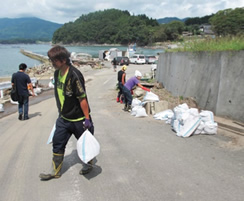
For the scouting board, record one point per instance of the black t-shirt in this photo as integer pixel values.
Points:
(22, 80)
(120, 75)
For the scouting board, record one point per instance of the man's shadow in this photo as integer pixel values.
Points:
(35, 114)
(73, 159)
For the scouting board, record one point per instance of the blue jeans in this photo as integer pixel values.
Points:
(23, 103)
(127, 95)
(120, 86)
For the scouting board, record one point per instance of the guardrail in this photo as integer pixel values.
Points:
(8, 85)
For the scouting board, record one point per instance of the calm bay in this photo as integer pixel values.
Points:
(10, 56)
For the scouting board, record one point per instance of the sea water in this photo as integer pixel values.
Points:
(10, 56)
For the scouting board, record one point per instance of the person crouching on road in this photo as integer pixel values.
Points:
(127, 88)
(121, 82)
(74, 111)
(23, 83)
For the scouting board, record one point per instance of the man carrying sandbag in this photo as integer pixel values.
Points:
(74, 111)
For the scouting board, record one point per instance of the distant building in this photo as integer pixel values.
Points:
(206, 29)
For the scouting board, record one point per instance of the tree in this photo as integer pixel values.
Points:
(108, 26)
(160, 35)
(174, 29)
(198, 20)
(228, 22)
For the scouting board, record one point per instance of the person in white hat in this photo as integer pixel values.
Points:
(128, 86)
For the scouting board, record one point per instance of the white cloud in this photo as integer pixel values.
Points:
(62, 11)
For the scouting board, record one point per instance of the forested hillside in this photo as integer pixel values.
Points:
(31, 29)
(109, 26)
(114, 26)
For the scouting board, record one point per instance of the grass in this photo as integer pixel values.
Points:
(212, 45)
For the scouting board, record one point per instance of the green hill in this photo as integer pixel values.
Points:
(27, 28)
(110, 26)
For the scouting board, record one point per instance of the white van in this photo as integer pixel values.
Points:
(138, 59)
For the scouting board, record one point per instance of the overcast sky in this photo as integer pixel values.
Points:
(63, 11)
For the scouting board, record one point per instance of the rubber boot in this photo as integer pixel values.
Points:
(125, 108)
(56, 167)
(128, 108)
(122, 99)
(86, 168)
(117, 99)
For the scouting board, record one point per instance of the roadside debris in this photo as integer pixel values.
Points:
(187, 121)
(184, 121)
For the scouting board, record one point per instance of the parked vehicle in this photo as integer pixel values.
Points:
(122, 61)
(138, 59)
(150, 59)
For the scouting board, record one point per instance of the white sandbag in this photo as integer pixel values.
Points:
(168, 121)
(210, 128)
(183, 106)
(51, 85)
(1, 107)
(199, 129)
(184, 116)
(50, 138)
(87, 147)
(194, 111)
(176, 126)
(207, 116)
(187, 114)
(135, 102)
(141, 112)
(164, 115)
(179, 110)
(30, 93)
(150, 96)
(189, 127)
(134, 110)
(37, 90)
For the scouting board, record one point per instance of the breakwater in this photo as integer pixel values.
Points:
(35, 56)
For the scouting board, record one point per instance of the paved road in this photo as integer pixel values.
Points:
(141, 159)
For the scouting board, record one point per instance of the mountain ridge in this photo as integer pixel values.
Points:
(27, 28)
(167, 20)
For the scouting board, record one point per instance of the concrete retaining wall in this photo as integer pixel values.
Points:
(215, 80)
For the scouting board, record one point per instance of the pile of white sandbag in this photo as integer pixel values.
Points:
(137, 106)
(165, 115)
(187, 121)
